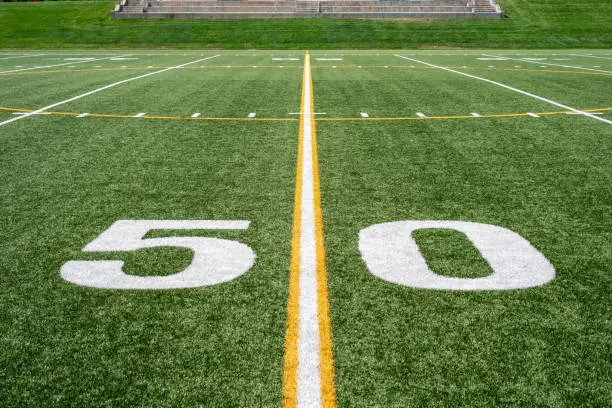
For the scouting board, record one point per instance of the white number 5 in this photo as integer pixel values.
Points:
(214, 260)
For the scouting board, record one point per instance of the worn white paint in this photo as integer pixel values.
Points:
(391, 253)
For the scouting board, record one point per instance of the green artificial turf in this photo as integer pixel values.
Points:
(528, 24)
(65, 180)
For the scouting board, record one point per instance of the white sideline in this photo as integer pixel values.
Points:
(510, 88)
(56, 65)
(553, 65)
(101, 89)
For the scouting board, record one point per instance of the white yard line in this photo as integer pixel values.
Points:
(510, 88)
(590, 56)
(552, 65)
(56, 65)
(22, 56)
(102, 89)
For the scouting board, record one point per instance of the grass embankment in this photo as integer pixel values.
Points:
(541, 24)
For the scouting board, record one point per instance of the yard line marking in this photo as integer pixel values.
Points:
(595, 111)
(252, 115)
(102, 89)
(533, 115)
(420, 115)
(26, 113)
(590, 56)
(51, 66)
(195, 115)
(510, 88)
(559, 65)
(364, 115)
(476, 115)
(307, 113)
(139, 115)
(576, 113)
(22, 56)
(82, 115)
(328, 59)
(308, 377)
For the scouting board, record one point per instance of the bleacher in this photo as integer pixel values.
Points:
(307, 9)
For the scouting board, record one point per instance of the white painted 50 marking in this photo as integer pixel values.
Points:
(214, 260)
(388, 249)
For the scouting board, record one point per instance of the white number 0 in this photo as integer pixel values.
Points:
(391, 253)
(214, 260)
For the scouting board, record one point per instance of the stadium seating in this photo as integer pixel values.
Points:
(308, 9)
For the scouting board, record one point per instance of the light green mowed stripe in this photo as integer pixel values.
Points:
(547, 180)
(65, 181)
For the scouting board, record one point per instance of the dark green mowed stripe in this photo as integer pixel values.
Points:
(403, 92)
(549, 181)
(64, 182)
(214, 92)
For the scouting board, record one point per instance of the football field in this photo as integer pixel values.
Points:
(305, 229)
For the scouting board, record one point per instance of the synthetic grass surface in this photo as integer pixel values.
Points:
(67, 179)
(530, 24)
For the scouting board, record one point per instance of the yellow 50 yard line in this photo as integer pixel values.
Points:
(308, 378)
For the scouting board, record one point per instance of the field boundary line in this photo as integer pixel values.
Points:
(549, 63)
(102, 89)
(61, 65)
(308, 376)
(510, 88)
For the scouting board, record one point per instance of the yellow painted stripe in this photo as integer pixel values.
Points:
(293, 307)
(328, 389)
(360, 119)
(326, 367)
